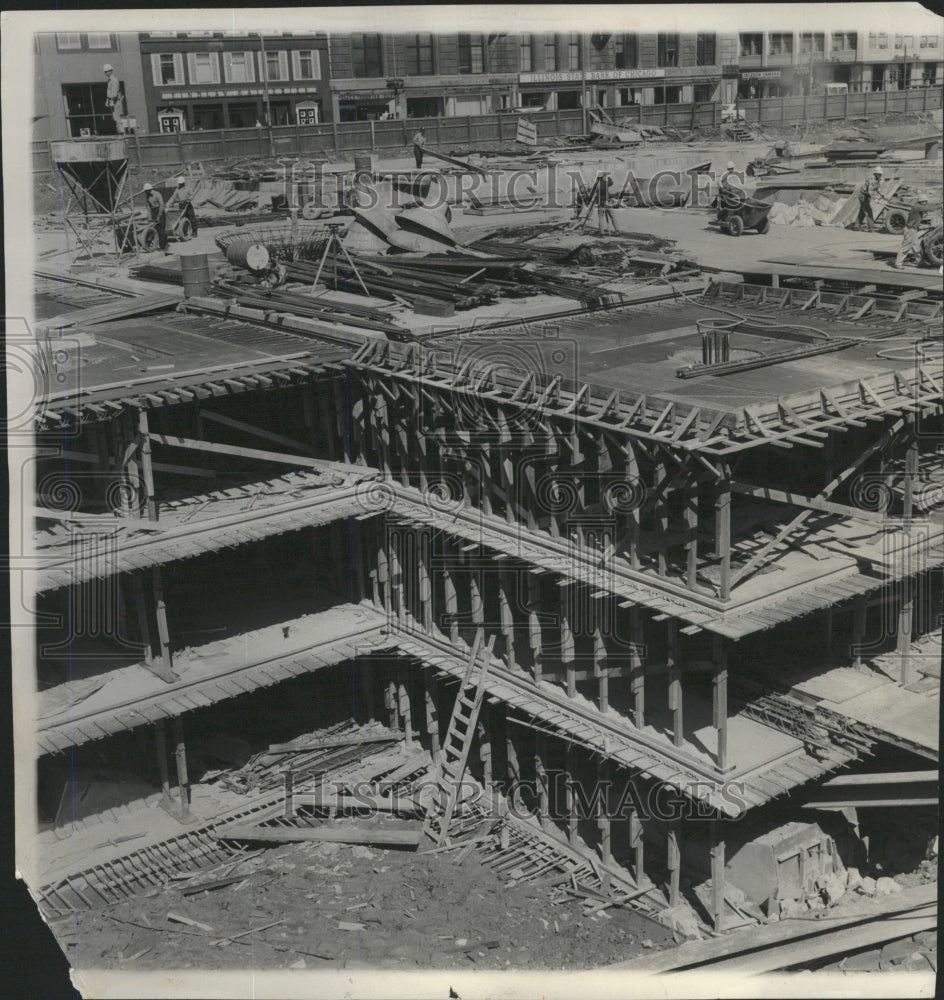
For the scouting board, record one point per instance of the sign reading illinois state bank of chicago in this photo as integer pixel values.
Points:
(577, 76)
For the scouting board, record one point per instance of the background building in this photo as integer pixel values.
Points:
(69, 83)
(210, 79)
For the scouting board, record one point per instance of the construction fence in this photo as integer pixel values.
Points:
(156, 151)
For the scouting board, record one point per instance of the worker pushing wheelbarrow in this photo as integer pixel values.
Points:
(159, 221)
(737, 211)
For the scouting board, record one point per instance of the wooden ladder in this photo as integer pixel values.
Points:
(455, 751)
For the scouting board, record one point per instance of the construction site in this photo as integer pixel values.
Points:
(510, 563)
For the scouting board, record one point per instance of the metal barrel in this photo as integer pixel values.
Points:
(195, 271)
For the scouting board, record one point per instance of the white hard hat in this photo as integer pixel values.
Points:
(878, 170)
(108, 68)
(730, 165)
(147, 187)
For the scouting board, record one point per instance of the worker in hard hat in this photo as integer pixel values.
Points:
(114, 100)
(730, 190)
(869, 194)
(157, 213)
(911, 234)
(181, 198)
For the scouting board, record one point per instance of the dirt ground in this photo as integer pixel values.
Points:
(407, 911)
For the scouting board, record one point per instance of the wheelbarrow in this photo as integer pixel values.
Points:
(180, 226)
(749, 213)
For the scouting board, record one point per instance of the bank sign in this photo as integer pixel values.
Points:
(592, 75)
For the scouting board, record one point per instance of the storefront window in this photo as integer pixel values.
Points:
(424, 107)
(243, 115)
(568, 100)
(208, 116)
(84, 106)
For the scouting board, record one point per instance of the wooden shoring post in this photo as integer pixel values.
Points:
(506, 463)
(638, 846)
(406, 714)
(406, 435)
(486, 480)
(691, 531)
(432, 714)
(511, 752)
(340, 564)
(420, 440)
(483, 731)
(860, 606)
(603, 819)
(723, 530)
(425, 583)
(163, 631)
(396, 575)
(477, 604)
(534, 624)
(632, 516)
(675, 682)
(674, 860)
(507, 617)
(130, 443)
(717, 874)
(451, 602)
(637, 667)
(600, 664)
(540, 775)
(382, 575)
(719, 699)
(567, 639)
(569, 798)
(183, 781)
(160, 739)
(381, 411)
(390, 702)
(140, 606)
(662, 516)
(906, 612)
(147, 467)
(357, 533)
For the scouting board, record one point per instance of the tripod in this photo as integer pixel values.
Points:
(598, 200)
(334, 243)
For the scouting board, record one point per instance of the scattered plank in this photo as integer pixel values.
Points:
(179, 918)
(330, 834)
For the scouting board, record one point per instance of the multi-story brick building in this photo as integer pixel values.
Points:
(775, 63)
(69, 83)
(212, 79)
(425, 74)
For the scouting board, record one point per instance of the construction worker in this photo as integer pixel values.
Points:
(419, 144)
(113, 97)
(730, 190)
(869, 192)
(911, 235)
(158, 215)
(181, 198)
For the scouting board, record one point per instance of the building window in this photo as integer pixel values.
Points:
(781, 43)
(667, 50)
(167, 68)
(99, 40)
(878, 40)
(276, 65)
(932, 41)
(366, 55)
(626, 49)
(203, 67)
(752, 45)
(704, 93)
(84, 107)
(471, 54)
(573, 51)
(524, 53)
(813, 43)
(306, 64)
(705, 49)
(599, 41)
(550, 52)
(68, 40)
(843, 40)
(238, 67)
(419, 55)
